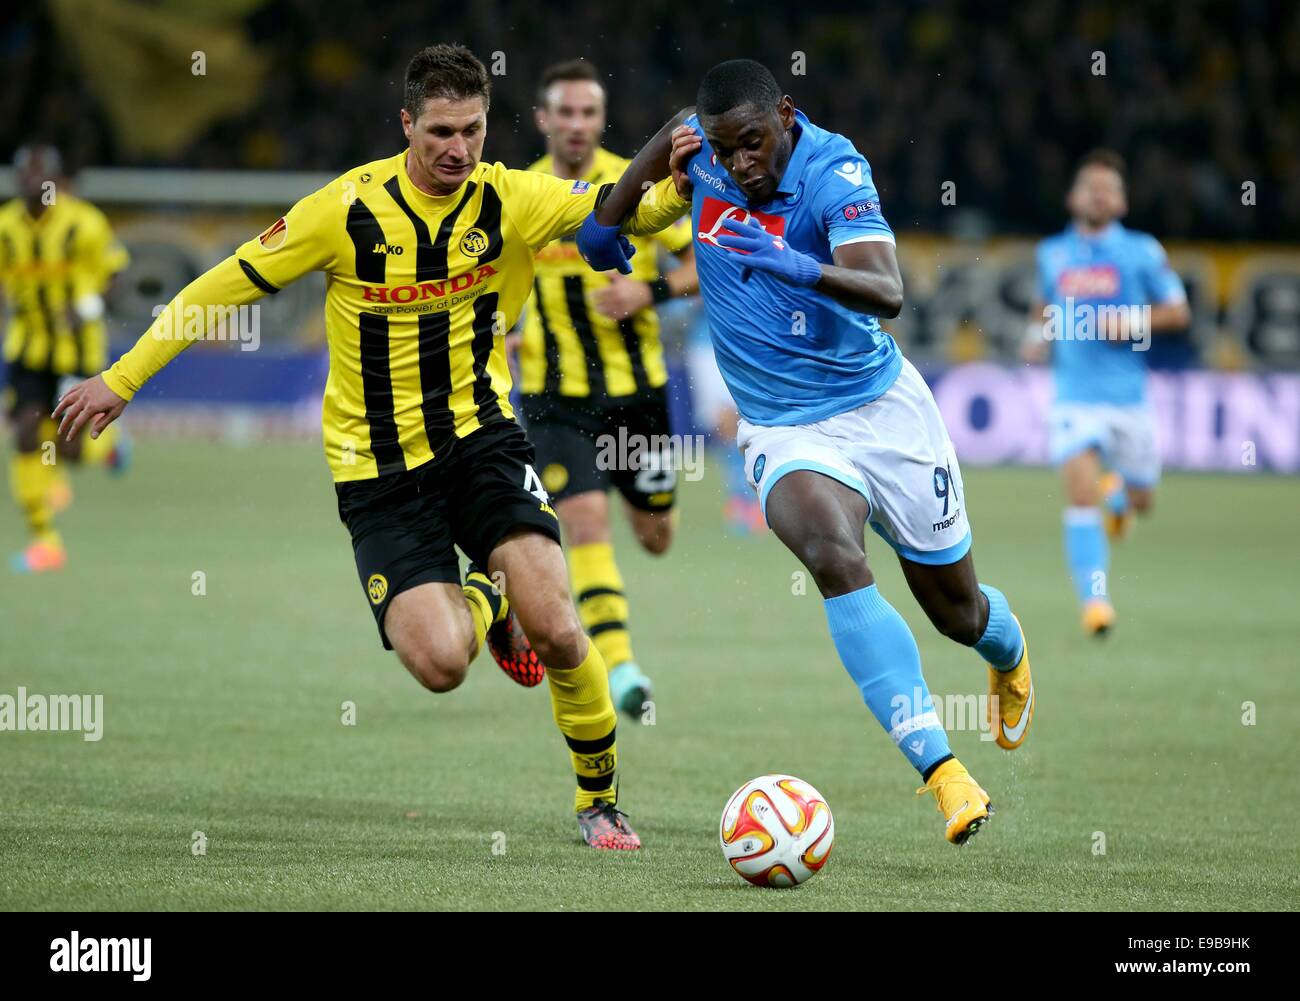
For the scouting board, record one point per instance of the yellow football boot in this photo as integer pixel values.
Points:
(1011, 700)
(1098, 617)
(964, 805)
(1118, 526)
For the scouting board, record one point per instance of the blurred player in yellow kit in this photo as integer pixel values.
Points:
(592, 366)
(57, 256)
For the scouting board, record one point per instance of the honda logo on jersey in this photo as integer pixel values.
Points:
(715, 214)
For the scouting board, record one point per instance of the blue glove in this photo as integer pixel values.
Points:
(770, 254)
(604, 248)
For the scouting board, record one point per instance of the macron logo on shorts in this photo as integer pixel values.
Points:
(947, 523)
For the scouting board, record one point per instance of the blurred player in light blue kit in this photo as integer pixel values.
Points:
(1103, 291)
(838, 430)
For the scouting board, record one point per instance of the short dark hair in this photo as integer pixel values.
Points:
(1107, 158)
(447, 71)
(736, 82)
(570, 69)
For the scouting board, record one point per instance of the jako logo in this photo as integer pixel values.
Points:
(387, 248)
(107, 955)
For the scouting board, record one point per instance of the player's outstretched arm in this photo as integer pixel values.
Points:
(303, 240)
(209, 299)
(649, 166)
(600, 238)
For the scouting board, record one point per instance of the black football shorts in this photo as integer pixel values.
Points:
(28, 385)
(584, 444)
(406, 526)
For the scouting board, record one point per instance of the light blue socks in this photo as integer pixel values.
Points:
(880, 654)
(1087, 552)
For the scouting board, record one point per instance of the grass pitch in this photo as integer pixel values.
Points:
(223, 716)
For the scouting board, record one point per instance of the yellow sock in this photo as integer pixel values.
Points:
(602, 605)
(486, 605)
(585, 715)
(95, 451)
(478, 615)
(60, 491)
(30, 479)
(59, 486)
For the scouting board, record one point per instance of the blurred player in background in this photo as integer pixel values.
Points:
(839, 431)
(592, 371)
(715, 409)
(429, 255)
(57, 257)
(1103, 428)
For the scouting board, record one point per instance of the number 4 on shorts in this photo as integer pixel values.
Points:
(533, 484)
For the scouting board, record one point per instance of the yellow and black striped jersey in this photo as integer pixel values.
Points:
(420, 292)
(50, 268)
(567, 346)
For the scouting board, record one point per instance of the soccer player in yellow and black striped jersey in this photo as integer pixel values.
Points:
(429, 260)
(592, 370)
(57, 256)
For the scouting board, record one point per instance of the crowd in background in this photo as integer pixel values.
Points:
(1201, 98)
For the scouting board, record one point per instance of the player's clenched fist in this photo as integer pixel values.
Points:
(91, 401)
(686, 143)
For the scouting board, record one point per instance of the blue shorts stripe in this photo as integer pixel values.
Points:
(817, 467)
(932, 557)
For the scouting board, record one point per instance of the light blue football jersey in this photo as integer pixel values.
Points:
(791, 355)
(1116, 267)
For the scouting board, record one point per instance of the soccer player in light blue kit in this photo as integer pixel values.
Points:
(1103, 290)
(838, 430)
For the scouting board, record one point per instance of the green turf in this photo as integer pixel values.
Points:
(223, 716)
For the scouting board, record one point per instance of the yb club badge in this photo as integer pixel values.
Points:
(474, 242)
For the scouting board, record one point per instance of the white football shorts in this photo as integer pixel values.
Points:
(1125, 436)
(894, 451)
